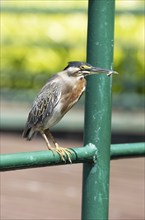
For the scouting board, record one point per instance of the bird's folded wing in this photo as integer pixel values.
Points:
(44, 103)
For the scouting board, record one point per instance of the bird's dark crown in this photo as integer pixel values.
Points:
(77, 64)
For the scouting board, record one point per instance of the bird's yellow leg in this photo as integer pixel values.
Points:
(47, 141)
(63, 152)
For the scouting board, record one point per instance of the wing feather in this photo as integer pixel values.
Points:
(43, 105)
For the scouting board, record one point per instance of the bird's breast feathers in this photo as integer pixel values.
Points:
(72, 94)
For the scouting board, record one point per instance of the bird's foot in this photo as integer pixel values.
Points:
(63, 152)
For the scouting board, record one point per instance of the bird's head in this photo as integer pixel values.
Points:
(81, 69)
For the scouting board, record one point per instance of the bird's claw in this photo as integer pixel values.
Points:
(63, 152)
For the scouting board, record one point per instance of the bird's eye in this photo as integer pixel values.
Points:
(82, 67)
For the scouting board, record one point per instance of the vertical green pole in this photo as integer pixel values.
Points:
(98, 109)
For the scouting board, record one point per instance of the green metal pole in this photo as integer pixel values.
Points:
(45, 158)
(98, 109)
(131, 150)
(86, 154)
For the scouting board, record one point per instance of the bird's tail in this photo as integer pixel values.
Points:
(28, 133)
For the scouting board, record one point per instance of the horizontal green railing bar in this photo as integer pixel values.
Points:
(44, 10)
(82, 154)
(45, 158)
(127, 150)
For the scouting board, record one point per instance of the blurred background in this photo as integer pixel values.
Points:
(38, 38)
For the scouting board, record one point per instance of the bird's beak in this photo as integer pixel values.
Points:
(94, 70)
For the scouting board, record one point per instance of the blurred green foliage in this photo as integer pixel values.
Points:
(35, 46)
